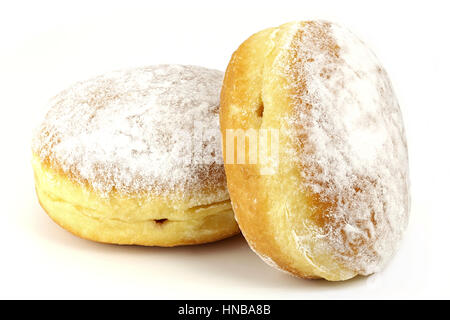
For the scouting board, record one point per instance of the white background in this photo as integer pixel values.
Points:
(45, 46)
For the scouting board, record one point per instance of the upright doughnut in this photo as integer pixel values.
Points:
(337, 201)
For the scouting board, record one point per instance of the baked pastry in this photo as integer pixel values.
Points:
(132, 157)
(336, 200)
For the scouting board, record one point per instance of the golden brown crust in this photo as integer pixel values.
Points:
(243, 88)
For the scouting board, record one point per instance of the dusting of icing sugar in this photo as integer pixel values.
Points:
(348, 134)
(148, 129)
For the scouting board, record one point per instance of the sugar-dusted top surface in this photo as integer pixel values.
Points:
(145, 130)
(348, 130)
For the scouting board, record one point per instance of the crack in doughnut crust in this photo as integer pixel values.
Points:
(338, 203)
(132, 157)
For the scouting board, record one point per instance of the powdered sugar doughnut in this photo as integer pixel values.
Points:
(132, 157)
(337, 202)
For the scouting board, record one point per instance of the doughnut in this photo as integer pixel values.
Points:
(134, 157)
(335, 202)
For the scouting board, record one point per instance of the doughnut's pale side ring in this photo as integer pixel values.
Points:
(78, 209)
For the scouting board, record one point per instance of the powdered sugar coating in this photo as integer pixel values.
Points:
(351, 143)
(138, 131)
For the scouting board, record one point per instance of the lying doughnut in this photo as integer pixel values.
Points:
(129, 157)
(337, 201)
